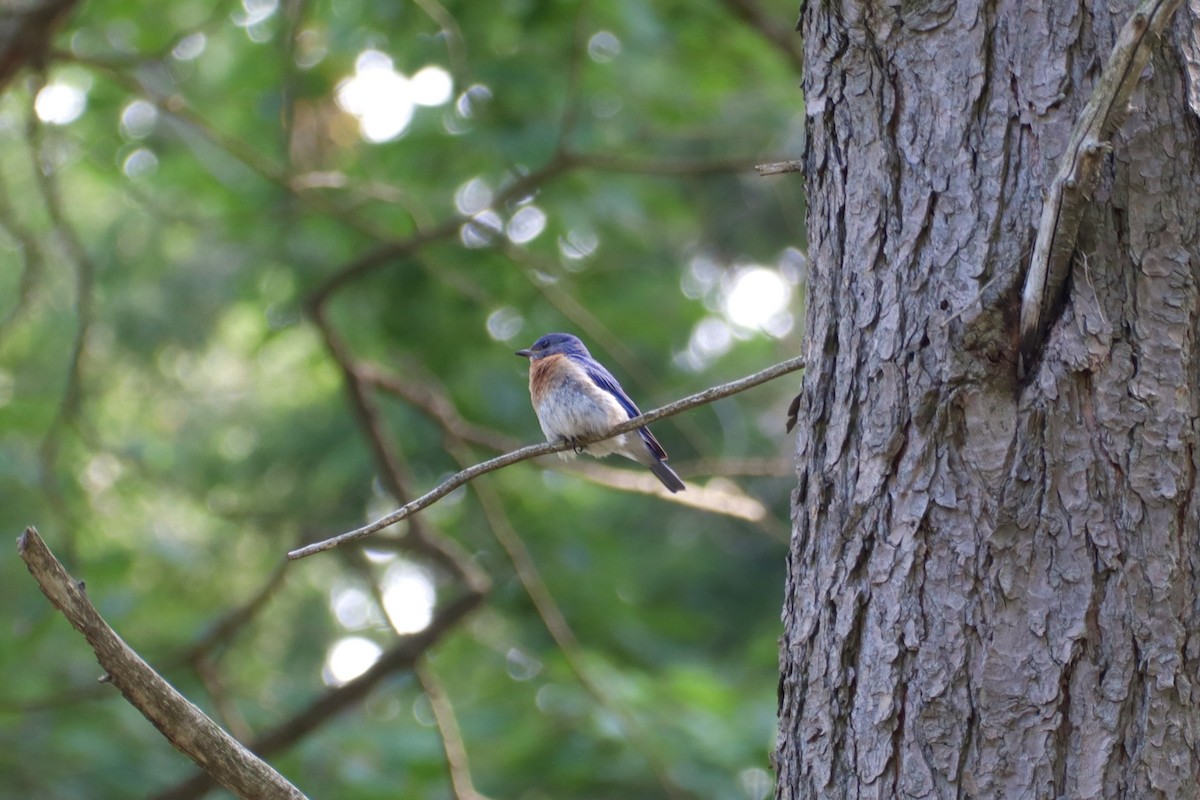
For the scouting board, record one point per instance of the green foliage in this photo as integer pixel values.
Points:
(174, 420)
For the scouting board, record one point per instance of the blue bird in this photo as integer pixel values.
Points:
(574, 396)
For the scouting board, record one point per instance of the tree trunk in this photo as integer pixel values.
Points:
(992, 583)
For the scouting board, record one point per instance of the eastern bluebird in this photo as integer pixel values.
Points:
(574, 396)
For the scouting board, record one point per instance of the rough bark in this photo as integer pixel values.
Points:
(992, 583)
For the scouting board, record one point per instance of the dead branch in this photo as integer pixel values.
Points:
(1080, 167)
(225, 760)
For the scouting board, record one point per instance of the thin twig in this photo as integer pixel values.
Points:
(224, 759)
(452, 741)
(604, 162)
(393, 249)
(223, 705)
(533, 451)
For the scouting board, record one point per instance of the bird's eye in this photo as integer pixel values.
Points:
(542, 345)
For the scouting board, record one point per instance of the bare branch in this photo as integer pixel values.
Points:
(185, 726)
(533, 451)
(1080, 167)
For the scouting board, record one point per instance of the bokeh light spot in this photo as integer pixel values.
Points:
(481, 230)
(432, 86)
(348, 658)
(504, 323)
(408, 597)
(255, 12)
(756, 297)
(60, 103)
(138, 119)
(351, 606)
(189, 47)
(378, 96)
(578, 244)
(603, 47)
(310, 48)
(472, 101)
(473, 196)
(521, 665)
(526, 224)
(140, 163)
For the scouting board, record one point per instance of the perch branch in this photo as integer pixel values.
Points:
(1079, 169)
(535, 450)
(186, 727)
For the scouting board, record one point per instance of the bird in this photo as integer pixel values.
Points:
(575, 397)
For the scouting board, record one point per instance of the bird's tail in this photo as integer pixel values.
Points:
(648, 456)
(666, 475)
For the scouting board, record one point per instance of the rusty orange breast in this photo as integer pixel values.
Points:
(544, 373)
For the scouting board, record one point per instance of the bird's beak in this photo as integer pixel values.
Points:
(525, 353)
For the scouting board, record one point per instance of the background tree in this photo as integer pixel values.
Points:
(263, 269)
(992, 582)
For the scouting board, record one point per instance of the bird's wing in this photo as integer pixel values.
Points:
(605, 380)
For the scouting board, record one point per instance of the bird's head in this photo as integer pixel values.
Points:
(553, 344)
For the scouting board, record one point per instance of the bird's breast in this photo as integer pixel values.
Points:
(568, 403)
(544, 375)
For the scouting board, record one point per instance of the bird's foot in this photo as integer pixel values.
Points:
(576, 444)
